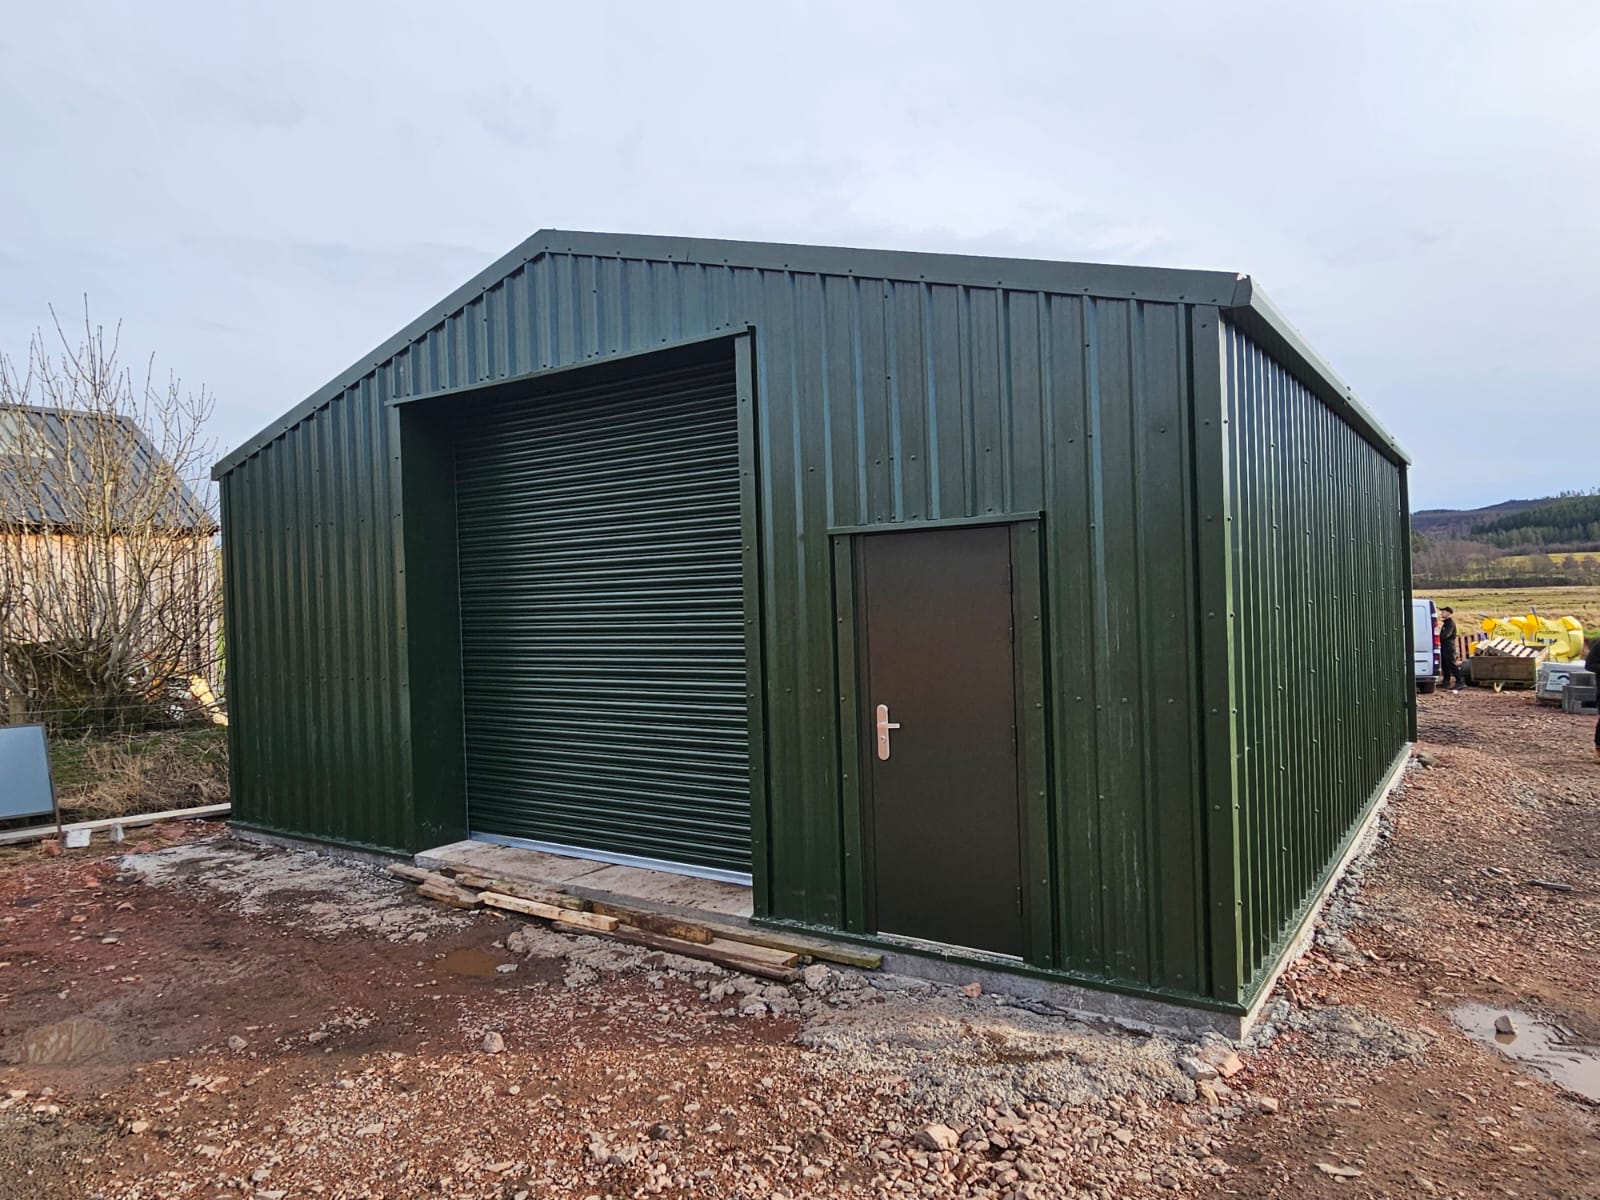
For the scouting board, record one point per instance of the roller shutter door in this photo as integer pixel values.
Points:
(603, 665)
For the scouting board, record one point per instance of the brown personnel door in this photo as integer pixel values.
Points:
(941, 812)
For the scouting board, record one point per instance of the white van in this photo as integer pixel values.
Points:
(1425, 644)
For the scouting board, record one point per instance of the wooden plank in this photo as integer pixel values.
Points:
(719, 952)
(826, 951)
(421, 877)
(34, 833)
(516, 904)
(453, 896)
(409, 873)
(753, 953)
(469, 879)
(569, 919)
(655, 922)
(528, 891)
(755, 945)
(758, 941)
(586, 922)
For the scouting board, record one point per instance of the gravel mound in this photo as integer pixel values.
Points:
(1352, 1033)
(296, 888)
(959, 1057)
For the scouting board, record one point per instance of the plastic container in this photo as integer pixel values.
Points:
(1579, 694)
(1551, 681)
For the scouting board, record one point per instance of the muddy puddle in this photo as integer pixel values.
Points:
(475, 964)
(64, 1042)
(1544, 1047)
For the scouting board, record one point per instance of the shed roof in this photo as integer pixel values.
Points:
(44, 452)
(1236, 294)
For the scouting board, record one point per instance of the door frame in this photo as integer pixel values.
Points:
(424, 427)
(1031, 691)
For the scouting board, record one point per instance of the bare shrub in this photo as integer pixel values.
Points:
(110, 597)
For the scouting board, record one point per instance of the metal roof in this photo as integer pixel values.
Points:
(41, 493)
(1236, 294)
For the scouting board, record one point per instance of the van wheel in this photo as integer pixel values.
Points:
(1426, 686)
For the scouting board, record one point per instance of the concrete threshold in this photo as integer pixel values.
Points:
(684, 895)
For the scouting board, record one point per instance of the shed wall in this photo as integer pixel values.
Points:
(879, 401)
(320, 740)
(1320, 673)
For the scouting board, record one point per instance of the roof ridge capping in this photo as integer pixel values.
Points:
(1254, 313)
(1112, 280)
(1233, 293)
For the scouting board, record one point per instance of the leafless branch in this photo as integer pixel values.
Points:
(109, 588)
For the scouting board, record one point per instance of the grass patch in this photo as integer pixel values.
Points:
(98, 776)
(1553, 602)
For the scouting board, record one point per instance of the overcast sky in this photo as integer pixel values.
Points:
(262, 193)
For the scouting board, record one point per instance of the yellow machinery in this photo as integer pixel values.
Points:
(1563, 637)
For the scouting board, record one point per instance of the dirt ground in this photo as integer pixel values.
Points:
(205, 1018)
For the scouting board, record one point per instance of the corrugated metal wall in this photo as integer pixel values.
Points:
(883, 401)
(1320, 671)
(320, 739)
(880, 401)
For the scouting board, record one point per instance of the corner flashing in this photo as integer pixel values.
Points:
(1257, 316)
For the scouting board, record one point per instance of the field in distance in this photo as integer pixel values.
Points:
(1525, 560)
(1580, 602)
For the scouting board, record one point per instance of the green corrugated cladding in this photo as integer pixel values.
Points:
(1319, 593)
(316, 640)
(885, 400)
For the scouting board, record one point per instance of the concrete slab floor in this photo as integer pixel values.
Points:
(539, 868)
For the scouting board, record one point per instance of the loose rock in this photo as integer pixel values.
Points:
(1195, 1068)
(817, 977)
(938, 1137)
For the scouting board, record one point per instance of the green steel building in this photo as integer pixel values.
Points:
(1042, 616)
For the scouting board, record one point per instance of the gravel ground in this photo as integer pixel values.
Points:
(295, 889)
(226, 1020)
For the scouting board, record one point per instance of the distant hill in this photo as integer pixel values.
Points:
(1457, 523)
(1572, 522)
(1546, 542)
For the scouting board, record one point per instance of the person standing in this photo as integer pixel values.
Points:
(1592, 665)
(1447, 650)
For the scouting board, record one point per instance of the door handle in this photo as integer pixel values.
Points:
(884, 726)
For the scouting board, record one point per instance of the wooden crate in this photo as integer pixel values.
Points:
(1507, 670)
